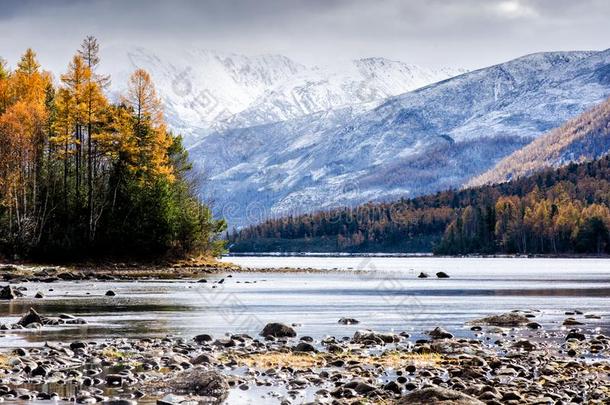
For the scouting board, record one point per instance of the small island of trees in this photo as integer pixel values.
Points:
(83, 177)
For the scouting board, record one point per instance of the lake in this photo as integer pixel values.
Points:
(384, 293)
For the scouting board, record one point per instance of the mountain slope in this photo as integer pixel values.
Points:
(430, 139)
(207, 90)
(585, 137)
(564, 210)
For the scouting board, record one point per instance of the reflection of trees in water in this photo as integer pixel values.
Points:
(96, 310)
(129, 328)
(557, 292)
(78, 307)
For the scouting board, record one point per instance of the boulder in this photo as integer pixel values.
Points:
(278, 330)
(202, 382)
(439, 333)
(575, 335)
(372, 337)
(437, 395)
(442, 274)
(203, 358)
(305, 348)
(525, 345)
(203, 338)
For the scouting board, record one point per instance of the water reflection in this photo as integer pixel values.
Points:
(387, 299)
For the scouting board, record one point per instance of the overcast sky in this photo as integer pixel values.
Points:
(456, 33)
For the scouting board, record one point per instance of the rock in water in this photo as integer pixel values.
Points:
(278, 330)
(9, 293)
(203, 358)
(31, 317)
(442, 274)
(423, 275)
(348, 321)
(510, 319)
(438, 395)
(440, 333)
(305, 347)
(572, 322)
(203, 338)
(202, 382)
(110, 293)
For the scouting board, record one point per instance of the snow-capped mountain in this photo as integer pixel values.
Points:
(200, 88)
(433, 138)
(585, 137)
(206, 90)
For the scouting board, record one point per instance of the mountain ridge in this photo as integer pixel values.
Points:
(207, 91)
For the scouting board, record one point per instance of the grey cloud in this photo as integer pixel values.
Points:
(466, 33)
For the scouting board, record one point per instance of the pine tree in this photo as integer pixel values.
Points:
(96, 103)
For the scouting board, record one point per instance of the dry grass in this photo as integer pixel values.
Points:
(281, 359)
(113, 354)
(204, 262)
(397, 359)
(4, 361)
(390, 359)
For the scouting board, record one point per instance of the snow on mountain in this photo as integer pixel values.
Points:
(200, 87)
(206, 90)
(360, 81)
(433, 138)
(585, 137)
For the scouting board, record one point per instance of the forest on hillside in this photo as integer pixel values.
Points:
(83, 177)
(556, 211)
(586, 136)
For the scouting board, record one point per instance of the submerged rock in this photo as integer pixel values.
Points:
(278, 330)
(348, 321)
(571, 322)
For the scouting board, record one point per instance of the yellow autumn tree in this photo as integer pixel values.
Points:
(150, 130)
(22, 139)
(4, 86)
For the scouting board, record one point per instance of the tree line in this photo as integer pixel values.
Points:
(81, 176)
(556, 211)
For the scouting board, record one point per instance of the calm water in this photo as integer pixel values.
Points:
(383, 293)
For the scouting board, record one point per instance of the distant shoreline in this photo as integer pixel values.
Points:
(411, 255)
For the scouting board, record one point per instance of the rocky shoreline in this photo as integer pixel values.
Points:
(509, 359)
(15, 273)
